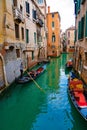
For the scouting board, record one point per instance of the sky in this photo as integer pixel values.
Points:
(66, 11)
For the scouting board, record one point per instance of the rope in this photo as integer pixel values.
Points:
(38, 86)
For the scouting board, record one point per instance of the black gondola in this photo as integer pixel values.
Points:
(69, 64)
(30, 75)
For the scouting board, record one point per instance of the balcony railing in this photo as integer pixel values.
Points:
(18, 16)
(39, 22)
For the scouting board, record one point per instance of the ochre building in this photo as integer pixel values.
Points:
(53, 37)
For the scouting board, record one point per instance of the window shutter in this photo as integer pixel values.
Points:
(76, 8)
(27, 7)
(79, 30)
(79, 3)
(35, 14)
(82, 27)
(86, 25)
(27, 35)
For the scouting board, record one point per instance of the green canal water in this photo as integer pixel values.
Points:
(25, 107)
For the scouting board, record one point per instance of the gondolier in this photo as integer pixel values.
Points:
(21, 69)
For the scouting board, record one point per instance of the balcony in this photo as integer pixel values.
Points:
(18, 16)
(39, 22)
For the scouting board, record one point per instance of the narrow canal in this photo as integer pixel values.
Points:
(25, 107)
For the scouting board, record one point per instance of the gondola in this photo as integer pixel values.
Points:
(69, 64)
(23, 79)
(30, 75)
(78, 96)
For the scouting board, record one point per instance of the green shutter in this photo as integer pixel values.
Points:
(79, 30)
(82, 27)
(79, 4)
(35, 37)
(86, 25)
(27, 35)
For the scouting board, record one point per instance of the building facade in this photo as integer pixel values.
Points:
(53, 37)
(42, 41)
(80, 57)
(22, 29)
(70, 32)
(63, 42)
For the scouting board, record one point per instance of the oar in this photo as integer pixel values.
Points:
(38, 86)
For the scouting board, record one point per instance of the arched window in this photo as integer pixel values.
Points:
(53, 37)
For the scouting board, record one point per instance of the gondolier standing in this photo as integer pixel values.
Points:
(21, 69)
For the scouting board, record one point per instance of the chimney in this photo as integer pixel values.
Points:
(48, 9)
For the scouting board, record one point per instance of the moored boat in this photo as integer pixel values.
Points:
(69, 64)
(76, 91)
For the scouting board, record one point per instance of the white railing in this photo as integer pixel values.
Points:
(18, 14)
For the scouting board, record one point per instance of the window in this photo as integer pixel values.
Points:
(18, 53)
(68, 34)
(16, 30)
(53, 38)
(76, 9)
(34, 14)
(35, 37)
(32, 55)
(79, 30)
(52, 15)
(27, 36)
(53, 24)
(15, 2)
(68, 42)
(82, 27)
(40, 1)
(21, 8)
(22, 33)
(79, 4)
(86, 25)
(27, 8)
(86, 58)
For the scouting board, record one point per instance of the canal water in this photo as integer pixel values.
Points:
(26, 107)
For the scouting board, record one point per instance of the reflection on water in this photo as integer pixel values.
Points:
(25, 107)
